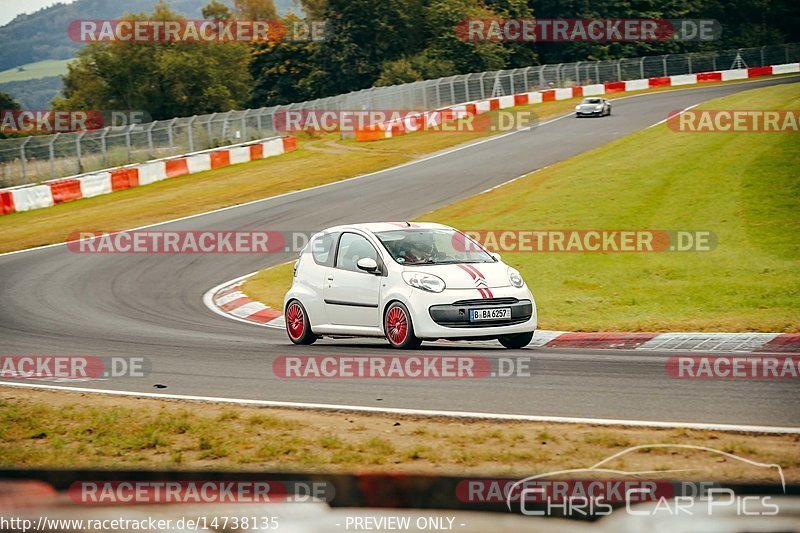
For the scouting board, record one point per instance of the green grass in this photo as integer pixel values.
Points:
(318, 160)
(742, 187)
(32, 71)
(46, 429)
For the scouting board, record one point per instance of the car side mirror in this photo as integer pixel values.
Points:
(495, 255)
(368, 264)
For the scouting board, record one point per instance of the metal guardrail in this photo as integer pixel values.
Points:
(37, 158)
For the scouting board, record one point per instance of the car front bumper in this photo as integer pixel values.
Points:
(445, 315)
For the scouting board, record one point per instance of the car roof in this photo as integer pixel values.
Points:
(376, 227)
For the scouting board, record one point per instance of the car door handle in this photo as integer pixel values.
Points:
(329, 278)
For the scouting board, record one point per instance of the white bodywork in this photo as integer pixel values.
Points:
(352, 303)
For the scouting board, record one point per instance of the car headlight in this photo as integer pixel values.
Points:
(577, 107)
(598, 107)
(426, 282)
(515, 278)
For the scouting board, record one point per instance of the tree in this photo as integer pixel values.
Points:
(166, 79)
(7, 103)
(362, 35)
(280, 71)
(255, 9)
(217, 11)
(314, 9)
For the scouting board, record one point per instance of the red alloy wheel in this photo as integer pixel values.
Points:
(396, 325)
(295, 321)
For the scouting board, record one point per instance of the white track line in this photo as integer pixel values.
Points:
(418, 412)
(208, 301)
(408, 163)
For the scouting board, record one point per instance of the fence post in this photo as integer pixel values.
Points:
(23, 160)
(52, 155)
(689, 62)
(78, 150)
(558, 74)
(103, 146)
(190, 132)
(714, 62)
(128, 141)
(483, 90)
(452, 91)
(225, 128)
(597, 71)
(170, 135)
(258, 122)
(762, 55)
(619, 70)
(244, 124)
(150, 139)
(208, 128)
(275, 114)
(641, 68)
(664, 61)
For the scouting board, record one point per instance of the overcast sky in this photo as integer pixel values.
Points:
(11, 8)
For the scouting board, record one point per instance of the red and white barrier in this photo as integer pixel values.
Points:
(388, 130)
(53, 192)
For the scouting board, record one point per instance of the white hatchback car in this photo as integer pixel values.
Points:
(407, 282)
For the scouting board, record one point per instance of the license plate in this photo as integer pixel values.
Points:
(496, 313)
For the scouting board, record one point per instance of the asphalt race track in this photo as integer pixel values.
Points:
(55, 302)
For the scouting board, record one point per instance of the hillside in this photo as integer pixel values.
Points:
(43, 35)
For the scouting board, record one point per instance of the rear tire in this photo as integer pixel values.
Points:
(297, 325)
(516, 341)
(398, 327)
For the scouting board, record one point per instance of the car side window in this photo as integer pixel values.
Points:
(322, 248)
(353, 247)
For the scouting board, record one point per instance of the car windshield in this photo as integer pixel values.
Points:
(432, 247)
(592, 101)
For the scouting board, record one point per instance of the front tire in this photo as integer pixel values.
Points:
(297, 325)
(398, 327)
(516, 341)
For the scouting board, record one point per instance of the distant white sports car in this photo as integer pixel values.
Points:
(407, 282)
(593, 107)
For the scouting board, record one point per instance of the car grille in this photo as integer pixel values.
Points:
(487, 301)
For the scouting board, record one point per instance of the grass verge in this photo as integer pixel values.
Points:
(318, 160)
(59, 429)
(744, 187)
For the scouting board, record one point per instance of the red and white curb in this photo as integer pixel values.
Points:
(228, 300)
(88, 185)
